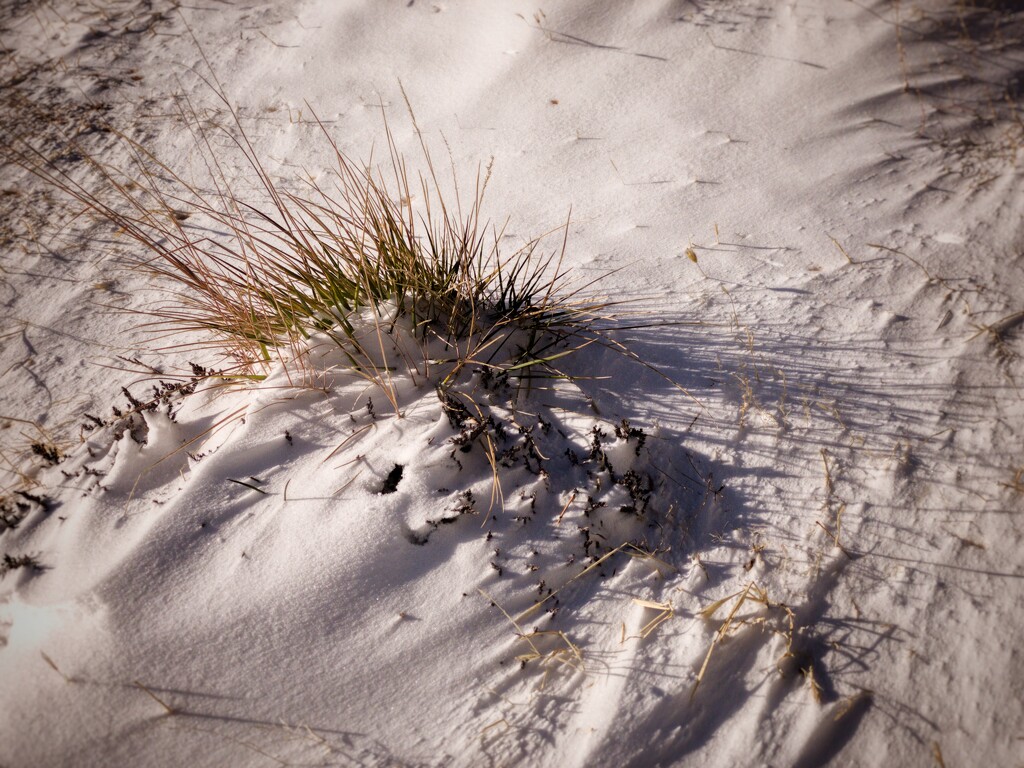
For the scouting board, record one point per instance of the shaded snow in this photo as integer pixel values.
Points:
(849, 332)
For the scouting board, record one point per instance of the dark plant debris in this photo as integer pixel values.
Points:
(393, 479)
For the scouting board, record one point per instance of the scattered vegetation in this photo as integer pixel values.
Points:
(754, 594)
(975, 44)
(48, 452)
(14, 562)
(16, 507)
(36, 445)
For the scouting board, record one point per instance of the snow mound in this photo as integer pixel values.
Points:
(481, 511)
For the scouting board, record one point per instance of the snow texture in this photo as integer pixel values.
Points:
(810, 556)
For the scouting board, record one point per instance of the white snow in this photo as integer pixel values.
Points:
(231, 586)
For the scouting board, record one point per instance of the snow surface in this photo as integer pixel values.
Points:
(231, 587)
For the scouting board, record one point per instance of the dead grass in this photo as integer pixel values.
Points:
(663, 612)
(962, 62)
(349, 261)
(752, 593)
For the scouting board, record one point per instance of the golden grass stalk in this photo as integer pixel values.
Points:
(346, 261)
(665, 611)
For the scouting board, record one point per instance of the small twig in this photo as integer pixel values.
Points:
(170, 710)
(911, 258)
(840, 247)
(248, 485)
(566, 507)
(55, 668)
(834, 537)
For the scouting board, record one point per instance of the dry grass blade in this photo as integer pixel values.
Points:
(167, 707)
(568, 653)
(752, 591)
(651, 558)
(53, 665)
(665, 611)
(597, 563)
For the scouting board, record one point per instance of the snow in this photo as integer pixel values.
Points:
(831, 554)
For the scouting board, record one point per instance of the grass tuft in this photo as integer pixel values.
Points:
(371, 267)
(14, 562)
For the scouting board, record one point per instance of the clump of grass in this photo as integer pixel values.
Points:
(14, 562)
(752, 593)
(15, 507)
(10, 516)
(17, 468)
(47, 451)
(664, 612)
(349, 263)
(370, 270)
